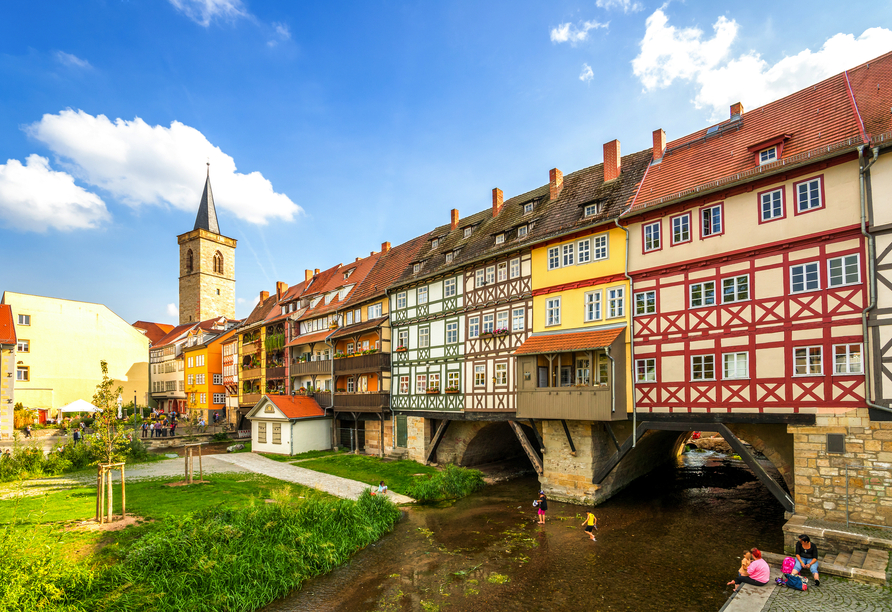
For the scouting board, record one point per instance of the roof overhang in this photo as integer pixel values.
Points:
(570, 341)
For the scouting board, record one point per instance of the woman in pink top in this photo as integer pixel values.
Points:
(758, 571)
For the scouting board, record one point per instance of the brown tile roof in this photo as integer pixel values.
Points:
(358, 327)
(154, 331)
(296, 406)
(814, 118)
(263, 310)
(7, 328)
(337, 281)
(389, 267)
(175, 334)
(568, 342)
(308, 338)
(872, 87)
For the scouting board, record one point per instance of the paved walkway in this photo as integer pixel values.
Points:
(335, 485)
(750, 598)
(834, 595)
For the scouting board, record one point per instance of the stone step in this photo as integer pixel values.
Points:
(830, 560)
(857, 559)
(877, 560)
(841, 559)
(831, 567)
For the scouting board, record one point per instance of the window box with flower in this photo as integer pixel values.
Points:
(401, 349)
(452, 390)
(433, 391)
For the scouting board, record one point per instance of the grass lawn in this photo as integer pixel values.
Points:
(397, 475)
(300, 456)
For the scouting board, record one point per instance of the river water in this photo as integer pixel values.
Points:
(669, 542)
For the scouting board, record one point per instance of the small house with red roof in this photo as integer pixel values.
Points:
(289, 425)
(7, 368)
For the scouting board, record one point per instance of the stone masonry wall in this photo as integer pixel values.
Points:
(419, 432)
(199, 298)
(820, 490)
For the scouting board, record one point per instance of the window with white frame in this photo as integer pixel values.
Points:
(473, 327)
(808, 195)
(645, 303)
(616, 302)
(348, 318)
(435, 243)
(711, 220)
(844, 271)
(490, 275)
(567, 255)
(591, 210)
(24, 319)
(583, 371)
(433, 382)
(23, 346)
(514, 269)
(374, 311)
(808, 361)
(500, 238)
(735, 365)
(467, 233)
(479, 278)
(771, 205)
(681, 228)
(501, 374)
(767, 155)
(404, 385)
(416, 268)
(527, 208)
(479, 375)
(805, 277)
(645, 370)
(450, 286)
(219, 398)
(452, 380)
(553, 311)
(502, 320)
(424, 337)
(735, 289)
(522, 231)
(199, 361)
(204, 398)
(402, 338)
(451, 332)
(703, 367)
(488, 322)
(847, 359)
(449, 257)
(703, 294)
(420, 383)
(600, 246)
(592, 301)
(583, 251)
(190, 362)
(422, 295)
(652, 237)
(517, 319)
(554, 258)
(401, 299)
(218, 379)
(23, 373)
(502, 271)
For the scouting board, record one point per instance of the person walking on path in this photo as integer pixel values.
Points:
(807, 557)
(76, 436)
(758, 570)
(542, 504)
(173, 428)
(27, 431)
(591, 523)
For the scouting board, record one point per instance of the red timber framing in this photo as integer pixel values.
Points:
(768, 326)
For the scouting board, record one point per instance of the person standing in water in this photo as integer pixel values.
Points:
(542, 504)
(591, 523)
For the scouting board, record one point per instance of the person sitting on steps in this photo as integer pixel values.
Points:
(758, 572)
(807, 557)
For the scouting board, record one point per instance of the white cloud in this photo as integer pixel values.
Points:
(627, 6)
(567, 32)
(72, 61)
(203, 12)
(586, 75)
(668, 54)
(173, 311)
(34, 197)
(281, 33)
(140, 164)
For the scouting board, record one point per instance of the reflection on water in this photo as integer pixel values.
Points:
(669, 542)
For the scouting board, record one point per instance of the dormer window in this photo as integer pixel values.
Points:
(767, 155)
(416, 268)
(435, 243)
(522, 231)
(592, 209)
(527, 208)
(500, 238)
(348, 273)
(449, 258)
(468, 231)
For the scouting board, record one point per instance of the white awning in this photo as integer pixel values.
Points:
(79, 406)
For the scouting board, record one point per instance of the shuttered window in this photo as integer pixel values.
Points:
(261, 433)
(277, 433)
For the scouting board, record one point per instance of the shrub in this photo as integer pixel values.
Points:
(452, 482)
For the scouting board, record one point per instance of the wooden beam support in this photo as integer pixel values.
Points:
(569, 438)
(538, 437)
(527, 447)
(618, 456)
(612, 435)
(745, 454)
(435, 442)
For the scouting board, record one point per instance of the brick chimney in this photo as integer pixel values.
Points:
(555, 183)
(454, 218)
(264, 295)
(317, 271)
(736, 110)
(385, 246)
(498, 200)
(611, 161)
(659, 143)
(281, 288)
(308, 274)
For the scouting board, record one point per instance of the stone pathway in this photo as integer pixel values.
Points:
(834, 595)
(335, 485)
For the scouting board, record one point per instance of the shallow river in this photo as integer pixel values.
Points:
(669, 542)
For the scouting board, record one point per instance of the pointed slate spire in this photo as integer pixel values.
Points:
(207, 214)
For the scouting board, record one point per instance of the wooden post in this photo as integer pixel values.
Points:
(101, 492)
(98, 493)
(186, 467)
(191, 465)
(123, 491)
(110, 494)
(200, 472)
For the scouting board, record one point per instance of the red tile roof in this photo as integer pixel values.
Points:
(296, 406)
(154, 331)
(307, 338)
(872, 87)
(568, 342)
(818, 116)
(174, 335)
(359, 327)
(7, 328)
(388, 268)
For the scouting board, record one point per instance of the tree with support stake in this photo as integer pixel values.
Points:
(110, 443)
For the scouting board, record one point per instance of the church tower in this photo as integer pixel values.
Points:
(207, 266)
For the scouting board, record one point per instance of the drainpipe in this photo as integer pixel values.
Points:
(392, 417)
(333, 387)
(612, 379)
(871, 270)
(631, 336)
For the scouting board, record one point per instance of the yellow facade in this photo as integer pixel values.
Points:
(66, 342)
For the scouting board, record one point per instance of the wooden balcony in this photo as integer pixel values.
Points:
(249, 374)
(249, 348)
(573, 403)
(311, 367)
(361, 364)
(323, 398)
(249, 399)
(362, 402)
(275, 373)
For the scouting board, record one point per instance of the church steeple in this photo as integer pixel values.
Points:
(207, 214)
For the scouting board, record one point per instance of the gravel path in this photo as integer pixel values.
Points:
(335, 485)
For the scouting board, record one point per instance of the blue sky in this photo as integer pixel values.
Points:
(334, 127)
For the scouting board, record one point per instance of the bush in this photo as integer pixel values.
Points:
(452, 482)
(220, 437)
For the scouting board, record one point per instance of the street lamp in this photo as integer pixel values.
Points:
(120, 403)
(134, 405)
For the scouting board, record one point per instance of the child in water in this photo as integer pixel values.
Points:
(591, 523)
(745, 563)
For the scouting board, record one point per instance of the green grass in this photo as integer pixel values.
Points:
(300, 456)
(397, 475)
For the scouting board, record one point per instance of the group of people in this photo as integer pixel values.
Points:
(589, 524)
(754, 570)
(160, 429)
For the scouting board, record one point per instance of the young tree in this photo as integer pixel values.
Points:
(110, 439)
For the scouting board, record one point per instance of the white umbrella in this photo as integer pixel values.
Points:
(79, 406)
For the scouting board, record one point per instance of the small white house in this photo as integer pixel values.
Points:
(288, 425)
